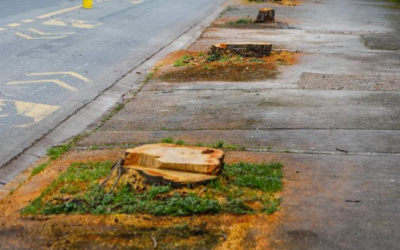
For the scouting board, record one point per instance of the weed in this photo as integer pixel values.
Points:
(76, 191)
(167, 140)
(40, 168)
(241, 21)
(117, 107)
(271, 206)
(266, 177)
(183, 61)
(180, 142)
(256, 60)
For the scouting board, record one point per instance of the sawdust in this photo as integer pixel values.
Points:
(182, 66)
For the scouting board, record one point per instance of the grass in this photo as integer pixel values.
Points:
(183, 61)
(241, 21)
(218, 144)
(117, 107)
(242, 188)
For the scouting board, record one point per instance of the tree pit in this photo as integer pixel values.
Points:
(186, 66)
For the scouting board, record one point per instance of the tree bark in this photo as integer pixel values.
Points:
(265, 16)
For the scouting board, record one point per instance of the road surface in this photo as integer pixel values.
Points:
(56, 57)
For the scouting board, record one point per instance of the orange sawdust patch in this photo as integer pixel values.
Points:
(279, 2)
(223, 231)
(182, 66)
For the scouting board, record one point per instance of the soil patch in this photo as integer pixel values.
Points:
(183, 66)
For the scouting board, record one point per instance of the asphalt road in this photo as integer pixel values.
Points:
(55, 56)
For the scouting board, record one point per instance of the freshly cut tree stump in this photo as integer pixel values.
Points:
(243, 49)
(169, 163)
(265, 16)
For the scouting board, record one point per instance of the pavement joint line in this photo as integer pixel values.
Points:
(286, 151)
(59, 12)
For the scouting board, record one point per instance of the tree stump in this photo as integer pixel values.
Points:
(265, 16)
(242, 49)
(174, 164)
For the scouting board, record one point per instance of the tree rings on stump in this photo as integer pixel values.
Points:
(265, 16)
(175, 164)
(242, 49)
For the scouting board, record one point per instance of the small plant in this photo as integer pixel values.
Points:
(183, 61)
(256, 60)
(241, 21)
(40, 168)
(117, 107)
(180, 142)
(77, 191)
(167, 140)
(212, 58)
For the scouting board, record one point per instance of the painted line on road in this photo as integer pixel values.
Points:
(13, 24)
(76, 75)
(137, 1)
(73, 23)
(44, 33)
(2, 29)
(37, 38)
(55, 81)
(35, 111)
(28, 21)
(59, 12)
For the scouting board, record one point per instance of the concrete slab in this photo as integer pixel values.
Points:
(336, 202)
(263, 109)
(306, 141)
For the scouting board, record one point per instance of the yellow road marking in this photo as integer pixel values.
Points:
(37, 38)
(55, 81)
(36, 111)
(76, 75)
(137, 1)
(13, 25)
(27, 20)
(74, 23)
(44, 33)
(59, 12)
(2, 29)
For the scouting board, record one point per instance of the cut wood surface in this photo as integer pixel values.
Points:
(243, 49)
(175, 157)
(164, 177)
